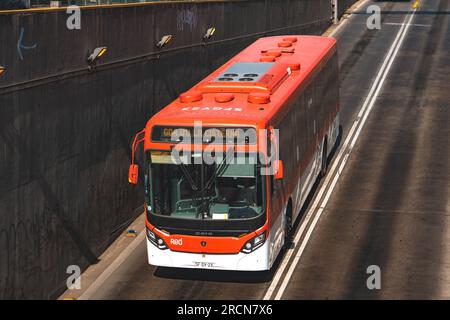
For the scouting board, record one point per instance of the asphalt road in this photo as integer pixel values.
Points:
(390, 206)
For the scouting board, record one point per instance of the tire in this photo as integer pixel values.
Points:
(288, 228)
(324, 166)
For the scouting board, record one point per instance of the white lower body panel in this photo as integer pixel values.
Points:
(255, 261)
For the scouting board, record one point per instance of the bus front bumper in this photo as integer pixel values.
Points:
(257, 260)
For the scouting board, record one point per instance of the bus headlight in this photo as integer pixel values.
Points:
(254, 243)
(155, 240)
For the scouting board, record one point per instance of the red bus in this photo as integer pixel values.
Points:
(274, 110)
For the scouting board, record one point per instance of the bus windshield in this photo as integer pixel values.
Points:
(224, 190)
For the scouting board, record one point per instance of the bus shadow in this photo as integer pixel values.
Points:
(245, 276)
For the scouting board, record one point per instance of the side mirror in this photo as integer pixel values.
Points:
(279, 175)
(133, 174)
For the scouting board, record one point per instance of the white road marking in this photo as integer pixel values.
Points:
(113, 267)
(344, 153)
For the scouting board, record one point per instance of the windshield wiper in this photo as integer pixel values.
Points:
(196, 191)
(218, 171)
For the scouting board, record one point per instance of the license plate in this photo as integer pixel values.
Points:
(202, 264)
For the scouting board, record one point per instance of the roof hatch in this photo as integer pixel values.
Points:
(244, 72)
(248, 77)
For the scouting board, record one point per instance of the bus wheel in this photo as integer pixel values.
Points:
(288, 228)
(324, 168)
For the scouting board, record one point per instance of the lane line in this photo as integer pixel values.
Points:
(346, 148)
(113, 267)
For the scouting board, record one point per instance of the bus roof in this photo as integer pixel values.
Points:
(250, 89)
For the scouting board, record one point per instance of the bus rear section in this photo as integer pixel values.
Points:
(227, 166)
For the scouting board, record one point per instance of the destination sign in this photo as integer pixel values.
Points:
(214, 135)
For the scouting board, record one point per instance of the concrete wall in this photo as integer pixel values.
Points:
(65, 131)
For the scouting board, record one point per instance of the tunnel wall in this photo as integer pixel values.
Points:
(66, 129)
